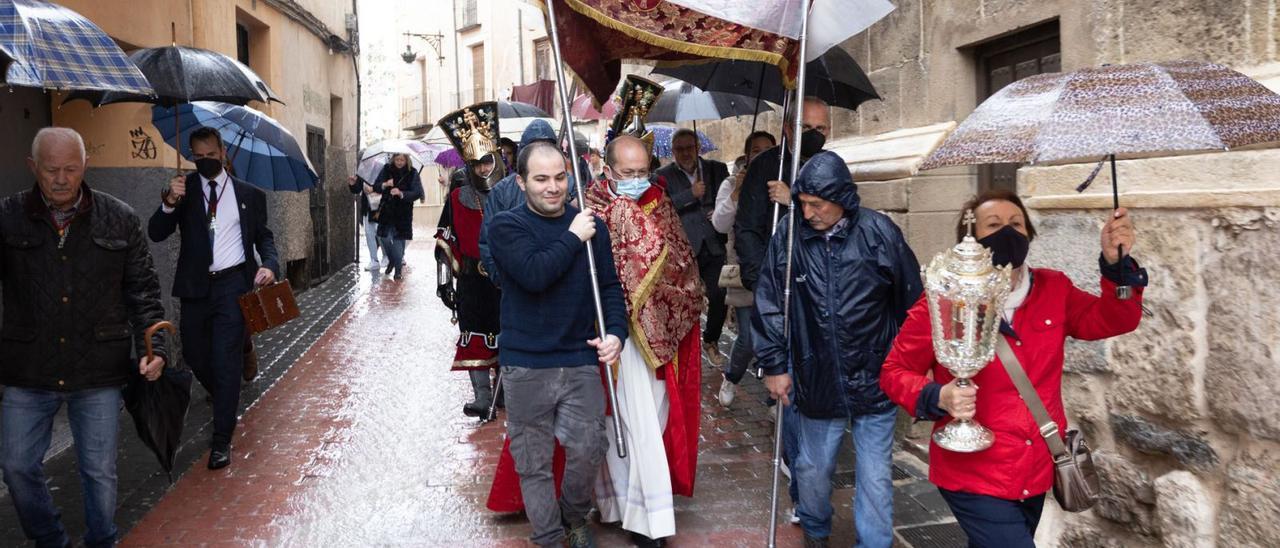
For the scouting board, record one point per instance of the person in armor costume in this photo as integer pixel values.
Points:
(464, 284)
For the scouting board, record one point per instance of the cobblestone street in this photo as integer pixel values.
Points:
(354, 436)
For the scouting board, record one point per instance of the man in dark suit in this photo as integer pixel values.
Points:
(687, 181)
(223, 221)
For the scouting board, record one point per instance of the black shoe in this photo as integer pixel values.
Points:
(219, 458)
(390, 267)
(580, 536)
(642, 541)
(814, 542)
(475, 409)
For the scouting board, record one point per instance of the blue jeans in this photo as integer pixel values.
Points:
(394, 249)
(26, 424)
(818, 441)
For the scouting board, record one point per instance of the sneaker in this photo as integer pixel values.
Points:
(726, 392)
(580, 536)
(792, 517)
(713, 354)
(374, 267)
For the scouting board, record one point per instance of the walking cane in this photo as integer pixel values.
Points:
(565, 105)
(786, 294)
(493, 405)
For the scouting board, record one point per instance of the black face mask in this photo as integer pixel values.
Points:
(811, 142)
(1008, 246)
(209, 167)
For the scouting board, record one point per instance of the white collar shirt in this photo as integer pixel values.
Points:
(228, 247)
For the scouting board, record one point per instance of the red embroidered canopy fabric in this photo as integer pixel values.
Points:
(597, 35)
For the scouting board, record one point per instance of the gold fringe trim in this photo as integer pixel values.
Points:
(639, 296)
(470, 364)
(719, 52)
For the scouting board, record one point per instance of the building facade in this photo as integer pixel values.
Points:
(426, 59)
(1182, 413)
(299, 47)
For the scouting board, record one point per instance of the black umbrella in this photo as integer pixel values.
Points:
(835, 77)
(181, 74)
(516, 109)
(159, 407)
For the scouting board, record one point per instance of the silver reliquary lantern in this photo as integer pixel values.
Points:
(965, 294)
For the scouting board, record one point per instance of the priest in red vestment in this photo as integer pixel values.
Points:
(660, 371)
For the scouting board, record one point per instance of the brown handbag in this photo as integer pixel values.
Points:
(1075, 480)
(268, 306)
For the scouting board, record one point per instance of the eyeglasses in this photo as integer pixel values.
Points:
(632, 173)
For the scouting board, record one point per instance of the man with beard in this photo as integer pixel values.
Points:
(550, 346)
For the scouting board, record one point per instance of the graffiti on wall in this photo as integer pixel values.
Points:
(143, 147)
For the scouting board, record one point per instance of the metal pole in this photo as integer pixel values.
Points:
(565, 109)
(497, 393)
(791, 239)
(782, 158)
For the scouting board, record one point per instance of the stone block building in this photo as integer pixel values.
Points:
(301, 48)
(1183, 413)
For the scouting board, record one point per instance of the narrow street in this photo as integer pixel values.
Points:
(355, 437)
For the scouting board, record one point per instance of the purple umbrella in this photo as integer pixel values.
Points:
(450, 158)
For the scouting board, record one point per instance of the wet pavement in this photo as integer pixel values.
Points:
(355, 437)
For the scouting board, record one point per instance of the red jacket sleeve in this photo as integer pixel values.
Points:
(1091, 317)
(903, 374)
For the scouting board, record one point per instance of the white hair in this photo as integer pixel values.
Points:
(56, 133)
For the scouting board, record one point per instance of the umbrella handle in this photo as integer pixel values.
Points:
(151, 332)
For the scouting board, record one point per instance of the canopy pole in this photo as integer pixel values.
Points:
(791, 238)
(566, 107)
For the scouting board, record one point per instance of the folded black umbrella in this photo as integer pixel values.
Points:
(835, 77)
(159, 407)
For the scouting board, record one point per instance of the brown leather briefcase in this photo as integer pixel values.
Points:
(268, 306)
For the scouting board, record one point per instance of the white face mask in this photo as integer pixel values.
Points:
(633, 188)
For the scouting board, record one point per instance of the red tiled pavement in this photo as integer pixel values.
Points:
(363, 443)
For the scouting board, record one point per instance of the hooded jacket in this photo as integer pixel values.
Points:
(506, 195)
(851, 288)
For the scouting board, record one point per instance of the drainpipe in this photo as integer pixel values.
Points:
(355, 64)
(457, 72)
(520, 40)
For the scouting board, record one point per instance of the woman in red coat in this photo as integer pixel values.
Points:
(997, 494)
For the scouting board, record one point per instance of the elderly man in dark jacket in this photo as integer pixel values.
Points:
(853, 278)
(688, 179)
(79, 290)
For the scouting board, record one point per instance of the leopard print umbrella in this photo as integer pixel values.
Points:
(1134, 110)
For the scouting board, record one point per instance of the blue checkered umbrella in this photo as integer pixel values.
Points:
(44, 45)
(662, 141)
(261, 150)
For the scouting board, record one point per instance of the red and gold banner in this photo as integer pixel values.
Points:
(597, 35)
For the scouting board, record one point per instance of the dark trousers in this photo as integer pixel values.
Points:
(709, 267)
(991, 521)
(213, 333)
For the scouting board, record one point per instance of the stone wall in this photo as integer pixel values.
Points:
(1183, 413)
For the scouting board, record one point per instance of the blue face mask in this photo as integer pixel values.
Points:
(633, 188)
